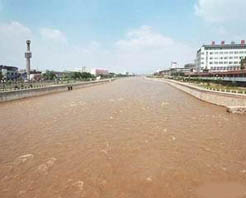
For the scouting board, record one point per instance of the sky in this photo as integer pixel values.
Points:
(139, 36)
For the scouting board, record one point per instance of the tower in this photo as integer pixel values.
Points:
(28, 56)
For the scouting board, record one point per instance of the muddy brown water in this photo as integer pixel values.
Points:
(131, 138)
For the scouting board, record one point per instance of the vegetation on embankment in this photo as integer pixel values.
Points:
(216, 85)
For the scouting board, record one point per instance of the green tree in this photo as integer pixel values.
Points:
(86, 75)
(49, 75)
(80, 76)
(76, 75)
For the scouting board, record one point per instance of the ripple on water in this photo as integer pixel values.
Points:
(24, 158)
(44, 168)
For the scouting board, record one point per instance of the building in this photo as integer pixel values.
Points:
(82, 69)
(9, 72)
(174, 65)
(190, 66)
(235, 76)
(99, 72)
(220, 57)
(35, 75)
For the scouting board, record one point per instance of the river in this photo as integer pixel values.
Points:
(132, 138)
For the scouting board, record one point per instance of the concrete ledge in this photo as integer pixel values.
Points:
(238, 110)
(235, 103)
(20, 94)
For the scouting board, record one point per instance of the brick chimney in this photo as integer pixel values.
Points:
(242, 42)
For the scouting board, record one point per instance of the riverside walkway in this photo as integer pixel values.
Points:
(132, 138)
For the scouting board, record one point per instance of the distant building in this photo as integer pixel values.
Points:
(22, 74)
(179, 70)
(35, 75)
(9, 72)
(220, 57)
(98, 72)
(174, 65)
(60, 75)
(191, 67)
(187, 69)
(81, 69)
(243, 63)
(166, 72)
(85, 69)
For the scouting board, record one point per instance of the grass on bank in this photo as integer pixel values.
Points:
(216, 85)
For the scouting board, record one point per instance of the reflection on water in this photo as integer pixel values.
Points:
(129, 138)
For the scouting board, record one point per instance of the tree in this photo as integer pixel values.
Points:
(49, 75)
(81, 76)
(1, 76)
(86, 75)
(76, 75)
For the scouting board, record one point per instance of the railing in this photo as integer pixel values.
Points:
(11, 86)
(235, 90)
(225, 90)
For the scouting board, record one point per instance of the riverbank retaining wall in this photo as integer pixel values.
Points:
(20, 94)
(235, 103)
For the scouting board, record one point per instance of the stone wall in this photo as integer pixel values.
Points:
(235, 103)
(19, 94)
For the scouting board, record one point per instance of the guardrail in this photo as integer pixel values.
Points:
(12, 86)
(226, 90)
(30, 92)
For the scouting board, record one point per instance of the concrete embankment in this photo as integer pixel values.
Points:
(235, 103)
(20, 94)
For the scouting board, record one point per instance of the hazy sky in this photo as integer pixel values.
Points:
(121, 35)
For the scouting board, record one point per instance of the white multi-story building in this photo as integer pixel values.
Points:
(219, 58)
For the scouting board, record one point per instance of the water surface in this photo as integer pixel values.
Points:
(131, 138)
